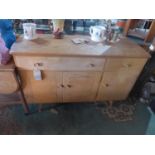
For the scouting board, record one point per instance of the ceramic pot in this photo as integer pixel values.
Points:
(98, 33)
(29, 31)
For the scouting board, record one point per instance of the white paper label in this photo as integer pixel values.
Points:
(37, 74)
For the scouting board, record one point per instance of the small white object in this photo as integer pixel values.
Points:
(80, 40)
(29, 31)
(151, 47)
(37, 74)
(97, 33)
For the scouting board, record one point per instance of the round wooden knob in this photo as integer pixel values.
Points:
(69, 86)
(62, 86)
(129, 65)
(92, 65)
(107, 85)
(39, 64)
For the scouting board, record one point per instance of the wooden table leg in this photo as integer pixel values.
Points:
(110, 103)
(40, 108)
(25, 105)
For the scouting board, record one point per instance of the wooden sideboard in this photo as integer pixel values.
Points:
(77, 73)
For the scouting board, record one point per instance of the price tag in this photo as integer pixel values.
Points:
(37, 73)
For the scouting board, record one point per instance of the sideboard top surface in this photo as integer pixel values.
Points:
(47, 45)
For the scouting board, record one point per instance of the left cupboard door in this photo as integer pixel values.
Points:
(47, 90)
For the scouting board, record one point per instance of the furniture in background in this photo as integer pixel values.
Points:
(144, 87)
(145, 29)
(10, 89)
(59, 71)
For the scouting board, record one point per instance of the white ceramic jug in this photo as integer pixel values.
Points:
(97, 33)
(29, 31)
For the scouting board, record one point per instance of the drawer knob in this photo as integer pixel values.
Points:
(38, 64)
(127, 65)
(92, 65)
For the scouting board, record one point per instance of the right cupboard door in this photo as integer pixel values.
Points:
(119, 77)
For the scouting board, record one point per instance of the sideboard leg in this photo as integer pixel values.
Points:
(40, 108)
(110, 103)
(25, 105)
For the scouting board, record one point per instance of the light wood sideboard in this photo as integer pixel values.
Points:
(77, 73)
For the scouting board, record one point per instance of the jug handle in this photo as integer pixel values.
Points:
(31, 29)
(90, 30)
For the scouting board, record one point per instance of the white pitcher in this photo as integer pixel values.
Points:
(97, 33)
(29, 31)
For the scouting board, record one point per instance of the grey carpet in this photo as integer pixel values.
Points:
(72, 119)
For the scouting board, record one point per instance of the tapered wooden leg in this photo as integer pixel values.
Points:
(25, 105)
(110, 103)
(40, 108)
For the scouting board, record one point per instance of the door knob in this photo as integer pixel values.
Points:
(62, 86)
(69, 86)
(107, 85)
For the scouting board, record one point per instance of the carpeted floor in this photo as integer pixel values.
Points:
(77, 119)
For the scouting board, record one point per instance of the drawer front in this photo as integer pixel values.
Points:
(117, 64)
(59, 63)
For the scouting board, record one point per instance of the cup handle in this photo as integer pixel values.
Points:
(103, 35)
(90, 30)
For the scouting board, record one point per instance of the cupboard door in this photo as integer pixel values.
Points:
(80, 86)
(47, 90)
(117, 85)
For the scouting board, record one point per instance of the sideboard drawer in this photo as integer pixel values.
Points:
(60, 63)
(115, 64)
